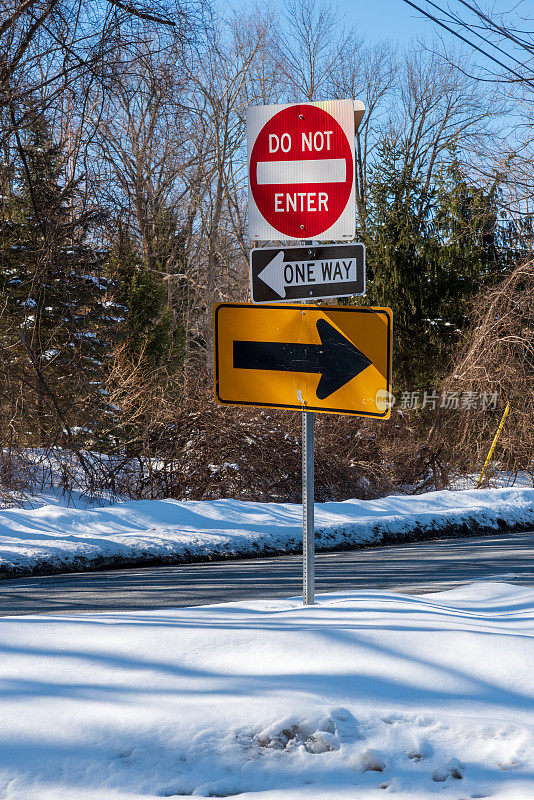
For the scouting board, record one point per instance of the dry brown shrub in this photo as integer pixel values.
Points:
(498, 357)
(255, 454)
(163, 435)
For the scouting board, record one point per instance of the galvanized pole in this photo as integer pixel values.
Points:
(308, 524)
(308, 500)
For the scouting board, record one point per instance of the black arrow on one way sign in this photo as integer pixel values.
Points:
(336, 358)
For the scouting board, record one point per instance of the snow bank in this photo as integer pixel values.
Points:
(52, 538)
(363, 696)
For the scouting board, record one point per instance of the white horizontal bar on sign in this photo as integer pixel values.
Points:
(320, 170)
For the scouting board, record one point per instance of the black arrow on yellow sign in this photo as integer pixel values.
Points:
(336, 358)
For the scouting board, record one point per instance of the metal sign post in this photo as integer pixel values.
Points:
(308, 504)
(308, 521)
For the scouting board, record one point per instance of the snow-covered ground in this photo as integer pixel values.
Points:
(363, 696)
(52, 538)
(497, 479)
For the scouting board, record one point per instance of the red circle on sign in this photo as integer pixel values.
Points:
(301, 200)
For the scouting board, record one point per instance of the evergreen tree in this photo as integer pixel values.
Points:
(52, 287)
(429, 249)
(149, 330)
(150, 350)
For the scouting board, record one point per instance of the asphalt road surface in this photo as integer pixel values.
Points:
(409, 568)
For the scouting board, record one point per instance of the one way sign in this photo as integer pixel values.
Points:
(302, 273)
(335, 359)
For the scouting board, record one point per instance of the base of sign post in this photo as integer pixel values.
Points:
(308, 523)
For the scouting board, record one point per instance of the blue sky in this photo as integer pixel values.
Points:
(385, 19)
(375, 19)
(397, 22)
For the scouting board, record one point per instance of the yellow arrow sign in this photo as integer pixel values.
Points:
(334, 359)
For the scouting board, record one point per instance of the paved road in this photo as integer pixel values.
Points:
(409, 568)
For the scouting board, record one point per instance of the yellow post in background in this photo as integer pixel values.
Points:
(492, 448)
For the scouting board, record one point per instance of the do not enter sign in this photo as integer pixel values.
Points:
(301, 171)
